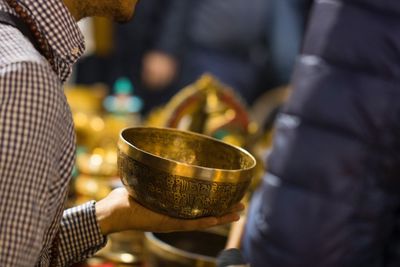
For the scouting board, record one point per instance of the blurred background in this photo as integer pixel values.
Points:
(220, 68)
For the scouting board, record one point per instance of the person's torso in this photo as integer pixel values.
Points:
(17, 51)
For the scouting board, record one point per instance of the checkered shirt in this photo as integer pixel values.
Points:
(37, 146)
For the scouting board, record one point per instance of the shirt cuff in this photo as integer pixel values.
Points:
(80, 233)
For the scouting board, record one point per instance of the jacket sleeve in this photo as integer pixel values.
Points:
(326, 200)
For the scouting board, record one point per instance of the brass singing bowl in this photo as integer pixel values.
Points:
(183, 174)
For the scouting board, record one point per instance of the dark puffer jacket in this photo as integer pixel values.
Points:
(332, 194)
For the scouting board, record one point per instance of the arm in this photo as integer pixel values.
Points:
(83, 229)
(79, 236)
(172, 35)
(161, 64)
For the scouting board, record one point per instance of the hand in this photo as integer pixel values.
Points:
(159, 70)
(119, 212)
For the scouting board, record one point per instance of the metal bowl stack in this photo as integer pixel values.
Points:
(183, 174)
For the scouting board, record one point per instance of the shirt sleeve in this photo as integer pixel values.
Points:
(80, 235)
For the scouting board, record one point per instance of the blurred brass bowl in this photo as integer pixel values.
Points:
(183, 174)
(184, 249)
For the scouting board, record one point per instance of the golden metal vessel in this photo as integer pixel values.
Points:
(184, 249)
(183, 174)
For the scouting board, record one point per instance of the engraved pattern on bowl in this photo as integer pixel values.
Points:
(182, 174)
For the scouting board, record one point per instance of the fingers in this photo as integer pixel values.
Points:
(207, 222)
(238, 207)
(214, 221)
(170, 224)
(190, 225)
(228, 218)
(203, 223)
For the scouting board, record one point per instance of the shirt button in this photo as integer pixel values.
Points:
(75, 51)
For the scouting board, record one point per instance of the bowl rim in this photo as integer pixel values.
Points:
(174, 253)
(184, 169)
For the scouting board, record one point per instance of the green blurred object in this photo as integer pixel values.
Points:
(123, 86)
(123, 102)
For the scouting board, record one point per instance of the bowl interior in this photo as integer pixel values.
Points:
(188, 148)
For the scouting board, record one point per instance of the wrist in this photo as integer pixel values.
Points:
(103, 218)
